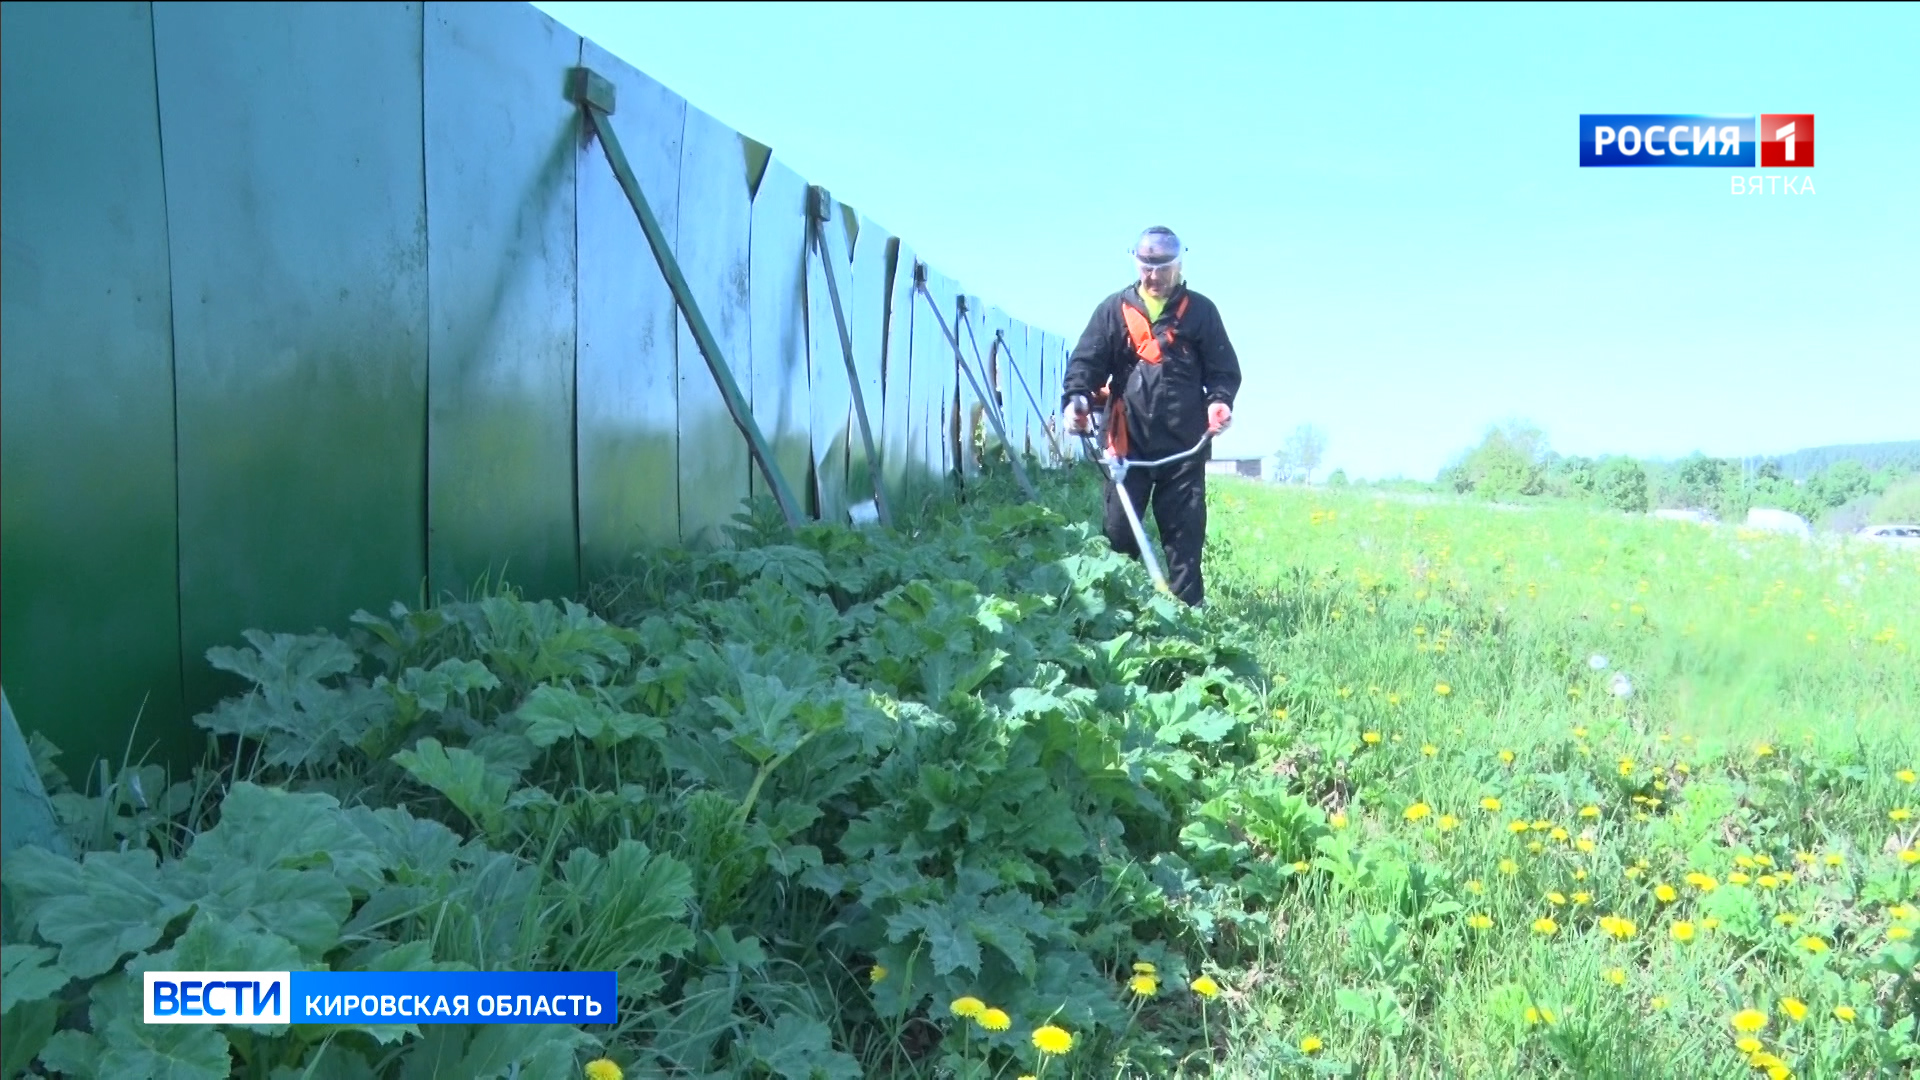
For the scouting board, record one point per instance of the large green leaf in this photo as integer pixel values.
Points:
(29, 973)
(273, 829)
(544, 1050)
(97, 910)
(129, 1046)
(553, 713)
(24, 1032)
(801, 1048)
(464, 777)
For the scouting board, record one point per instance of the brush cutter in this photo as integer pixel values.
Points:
(1115, 466)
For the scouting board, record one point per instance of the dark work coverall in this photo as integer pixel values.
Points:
(1166, 413)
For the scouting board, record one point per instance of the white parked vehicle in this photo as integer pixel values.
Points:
(1899, 535)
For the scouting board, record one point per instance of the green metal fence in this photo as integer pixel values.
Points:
(315, 307)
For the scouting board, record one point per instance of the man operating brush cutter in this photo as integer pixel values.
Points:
(1156, 362)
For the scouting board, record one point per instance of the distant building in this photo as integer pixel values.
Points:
(1250, 466)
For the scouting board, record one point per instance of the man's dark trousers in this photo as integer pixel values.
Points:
(1177, 494)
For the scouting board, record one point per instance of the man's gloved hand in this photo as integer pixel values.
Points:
(1219, 415)
(1074, 419)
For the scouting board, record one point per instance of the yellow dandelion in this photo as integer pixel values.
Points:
(1898, 933)
(1579, 732)
(969, 1007)
(1301, 866)
(1910, 856)
(1475, 887)
(1442, 689)
(1901, 912)
(1479, 922)
(1580, 874)
(1581, 899)
(1767, 881)
(1763, 750)
(1631, 872)
(1536, 847)
(1795, 1009)
(1682, 931)
(1516, 827)
(1665, 893)
(1747, 1044)
(995, 1020)
(1429, 750)
(1763, 859)
(1339, 820)
(1141, 967)
(603, 1069)
(1311, 1044)
(878, 973)
(1489, 803)
(1206, 987)
(1835, 859)
(1589, 811)
(1658, 1003)
(1737, 878)
(1417, 811)
(1447, 822)
(1617, 976)
(1506, 757)
(1709, 923)
(1508, 866)
(1545, 926)
(1541, 825)
(1559, 835)
(1535, 1016)
(1584, 846)
(1052, 1040)
(1905, 776)
(1843, 1013)
(1744, 862)
(1749, 1020)
(1371, 738)
(1900, 814)
(1143, 985)
(1785, 918)
(1702, 882)
(1556, 899)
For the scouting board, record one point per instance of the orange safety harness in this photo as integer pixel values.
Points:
(1151, 348)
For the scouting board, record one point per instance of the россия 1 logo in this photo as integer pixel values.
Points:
(1687, 141)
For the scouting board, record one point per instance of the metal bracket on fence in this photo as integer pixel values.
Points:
(820, 207)
(993, 413)
(593, 93)
(1000, 342)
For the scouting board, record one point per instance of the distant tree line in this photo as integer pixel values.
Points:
(1837, 487)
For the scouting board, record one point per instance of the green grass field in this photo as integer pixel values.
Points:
(1596, 785)
(1428, 789)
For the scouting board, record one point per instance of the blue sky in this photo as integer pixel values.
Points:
(1384, 200)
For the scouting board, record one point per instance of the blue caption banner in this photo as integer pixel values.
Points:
(1679, 141)
(454, 997)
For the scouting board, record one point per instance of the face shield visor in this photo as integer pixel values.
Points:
(1157, 259)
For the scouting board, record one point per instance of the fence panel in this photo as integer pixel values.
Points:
(714, 456)
(502, 141)
(628, 404)
(870, 292)
(779, 396)
(300, 344)
(831, 391)
(900, 427)
(87, 489)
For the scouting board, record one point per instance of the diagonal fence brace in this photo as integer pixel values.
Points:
(993, 411)
(818, 207)
(593, 93)
(1000, 342)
